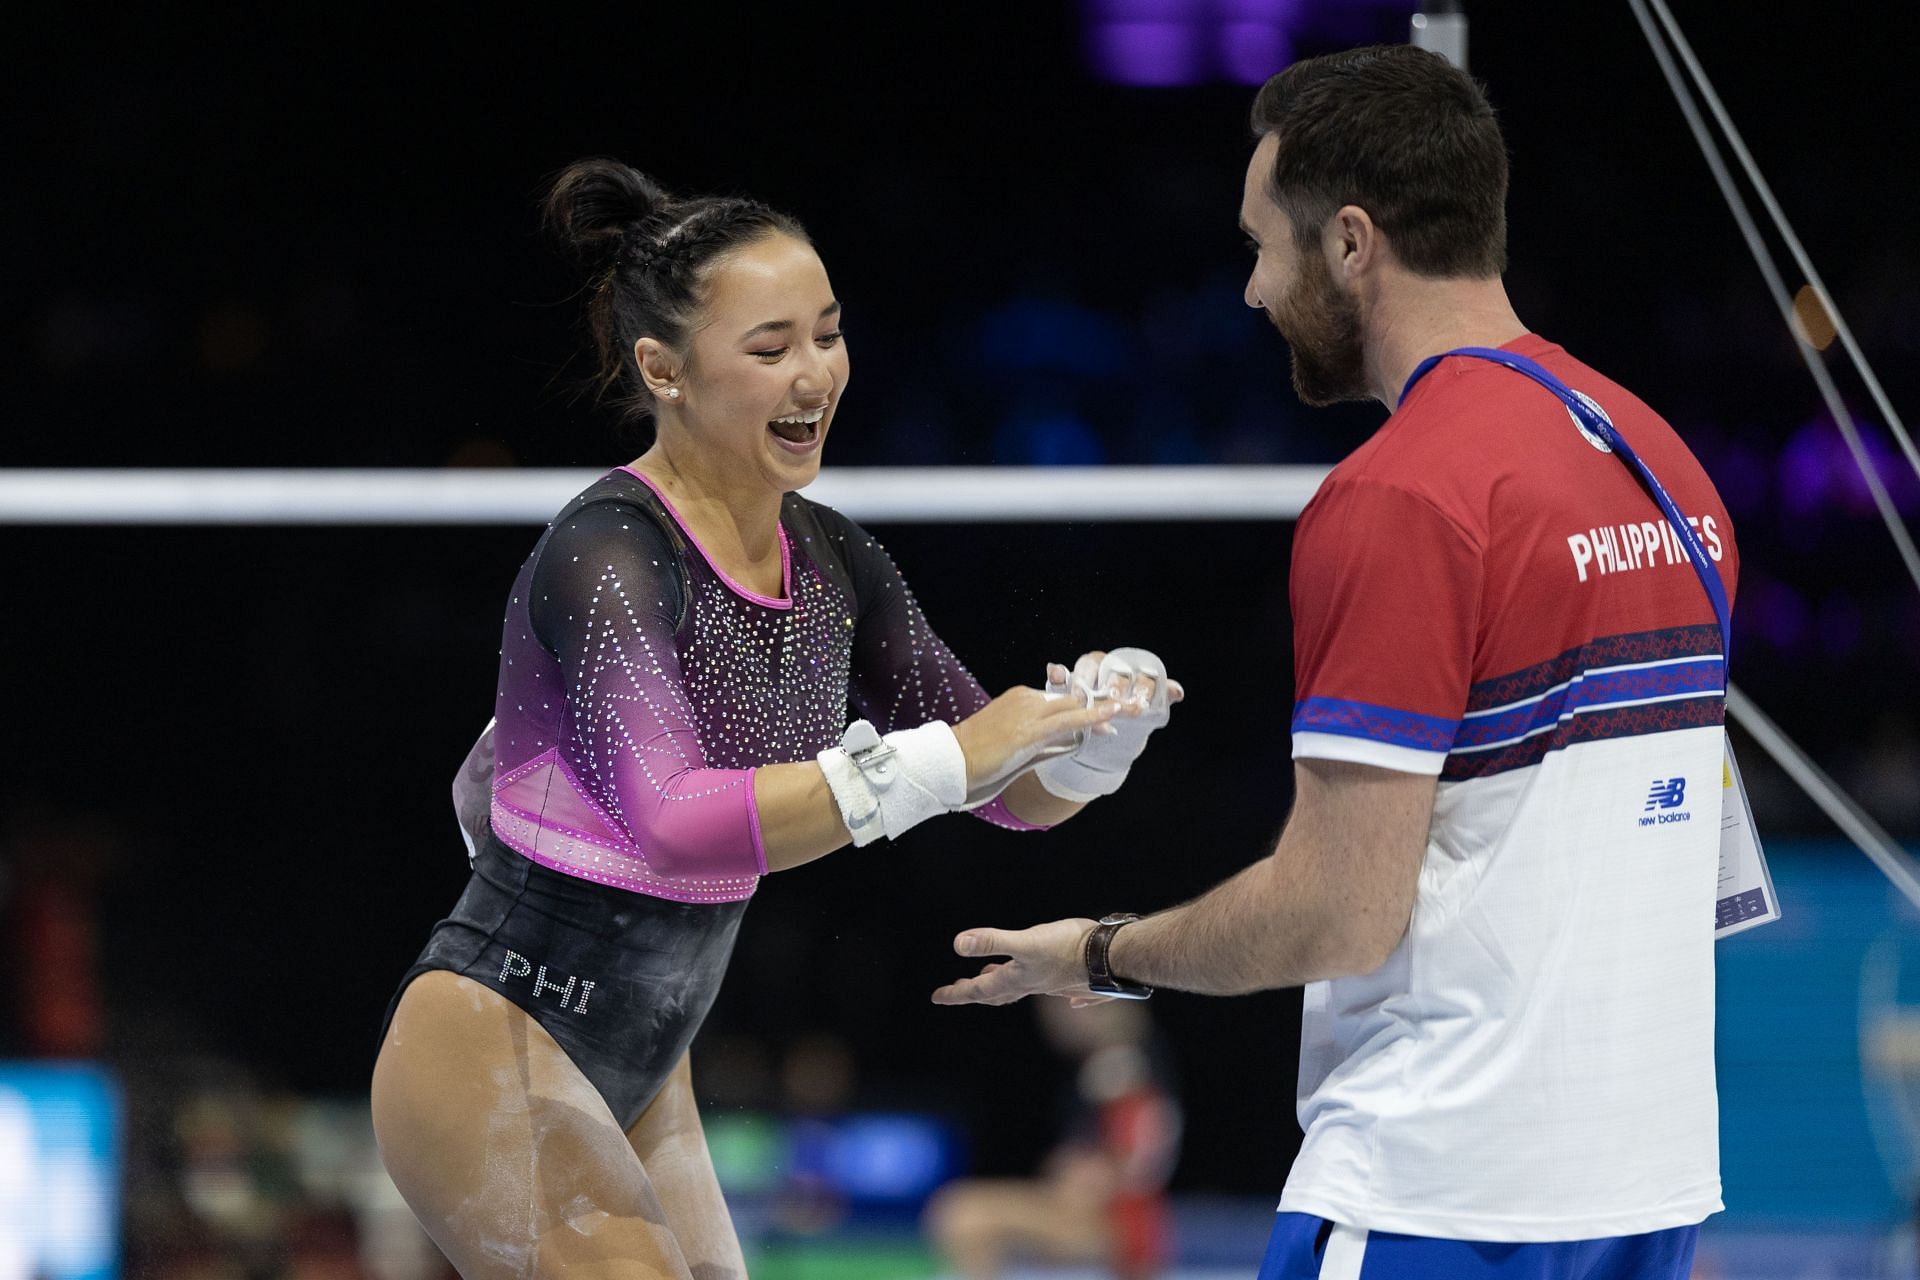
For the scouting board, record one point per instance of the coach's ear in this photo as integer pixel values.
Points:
(1354, 245)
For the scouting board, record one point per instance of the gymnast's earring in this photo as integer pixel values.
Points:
(671, 393)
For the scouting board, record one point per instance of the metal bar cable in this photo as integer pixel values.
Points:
(1800, 257)
(1855, 822)
(1763, 257)
(1859, 826)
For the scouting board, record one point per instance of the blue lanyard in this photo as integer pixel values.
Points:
(1595, 421)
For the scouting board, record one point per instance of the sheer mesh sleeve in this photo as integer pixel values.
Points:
(904, 674)
(605, 600)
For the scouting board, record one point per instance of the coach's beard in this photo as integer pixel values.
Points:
(1321, 326)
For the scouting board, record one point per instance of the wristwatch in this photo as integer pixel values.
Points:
(1100, 979)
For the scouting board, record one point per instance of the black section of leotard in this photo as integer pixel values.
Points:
(623, 517)
(619, 511)
(891, 636)
(537, 937)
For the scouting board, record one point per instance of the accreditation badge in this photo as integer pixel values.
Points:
(1745, 897)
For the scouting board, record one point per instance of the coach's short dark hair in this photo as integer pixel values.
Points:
(1405, 135)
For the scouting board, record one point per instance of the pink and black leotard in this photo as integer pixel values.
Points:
(639, 690)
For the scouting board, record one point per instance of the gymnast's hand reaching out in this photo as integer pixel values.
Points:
(1006, 735)
(1135, 678)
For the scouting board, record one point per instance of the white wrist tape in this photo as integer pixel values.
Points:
(1101, 763)
(886, 785)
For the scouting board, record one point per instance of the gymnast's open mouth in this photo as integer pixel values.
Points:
(799, 430)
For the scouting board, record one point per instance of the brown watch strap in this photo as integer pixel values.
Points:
(1100, 975)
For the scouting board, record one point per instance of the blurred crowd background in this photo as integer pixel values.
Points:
(302, 238)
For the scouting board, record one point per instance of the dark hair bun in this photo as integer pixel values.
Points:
(593, 204)
(643, 252)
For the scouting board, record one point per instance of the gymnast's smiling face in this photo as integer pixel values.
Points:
(1294, 285)
(763, 371)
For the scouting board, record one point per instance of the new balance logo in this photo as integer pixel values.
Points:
(1670, 794)
(1664, 799)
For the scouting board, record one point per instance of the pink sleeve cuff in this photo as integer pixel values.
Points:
(703, 823)
(996, 812)
(753, 823)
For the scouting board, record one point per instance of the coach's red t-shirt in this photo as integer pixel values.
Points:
(1483, 593)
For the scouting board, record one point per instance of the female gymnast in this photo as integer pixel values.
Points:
(678, 657)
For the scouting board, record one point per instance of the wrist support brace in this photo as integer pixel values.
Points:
(886, 785)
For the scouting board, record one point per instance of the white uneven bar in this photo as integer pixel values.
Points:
(475, 496)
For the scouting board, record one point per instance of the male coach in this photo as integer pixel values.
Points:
(1498, 877)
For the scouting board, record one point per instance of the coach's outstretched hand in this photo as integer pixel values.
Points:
(1046, 960)
(1136, 678)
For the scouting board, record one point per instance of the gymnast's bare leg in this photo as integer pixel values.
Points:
(672, 1147)
(514, 1164)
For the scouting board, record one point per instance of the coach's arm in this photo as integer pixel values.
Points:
(1333, 899)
